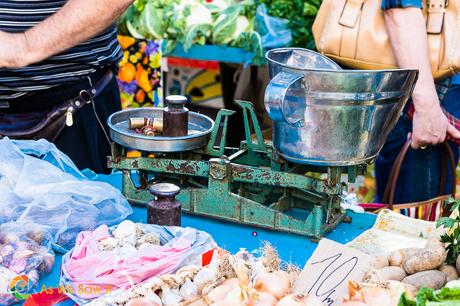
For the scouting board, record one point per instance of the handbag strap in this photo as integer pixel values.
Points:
(436, 10)
(389, 193)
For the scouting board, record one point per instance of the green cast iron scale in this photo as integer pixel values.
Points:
(250, 185)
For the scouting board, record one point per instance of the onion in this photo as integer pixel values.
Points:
(242, 271)
(234, 296)
(219, 293)
(376, 296)
(264, 299)
(232, 282)
(293, 299)
(276, 283)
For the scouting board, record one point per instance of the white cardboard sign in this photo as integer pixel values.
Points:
(327, 272)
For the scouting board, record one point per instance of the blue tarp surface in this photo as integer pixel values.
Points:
(231, 236)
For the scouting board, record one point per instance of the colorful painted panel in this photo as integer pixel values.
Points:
(139, 76)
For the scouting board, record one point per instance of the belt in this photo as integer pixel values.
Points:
(47, 99)
(61, 115)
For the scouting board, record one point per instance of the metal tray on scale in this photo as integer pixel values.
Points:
(199, 130)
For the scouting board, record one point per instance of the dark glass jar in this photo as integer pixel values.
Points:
(164, 209)
(175, 117)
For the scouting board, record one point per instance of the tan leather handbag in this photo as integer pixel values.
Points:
(353, 33)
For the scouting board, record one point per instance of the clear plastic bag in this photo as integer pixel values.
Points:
(25, 255)
(40, 184)
(274, 31)
(113, 270)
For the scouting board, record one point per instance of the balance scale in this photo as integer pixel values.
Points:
(261, 183)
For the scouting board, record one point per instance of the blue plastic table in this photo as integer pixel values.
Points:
(232, 237)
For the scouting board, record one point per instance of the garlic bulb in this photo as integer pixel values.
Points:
(108, 244)
(151, 296)
(188, 290)
(126, 232)
(170, 297)
(207, 274)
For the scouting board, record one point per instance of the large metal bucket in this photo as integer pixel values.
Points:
(324, 115)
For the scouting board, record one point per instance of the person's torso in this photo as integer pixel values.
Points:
(67, 67)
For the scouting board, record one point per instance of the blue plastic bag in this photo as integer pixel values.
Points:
(274, 31)
(40, 184)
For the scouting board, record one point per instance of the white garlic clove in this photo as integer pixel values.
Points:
(188, 290)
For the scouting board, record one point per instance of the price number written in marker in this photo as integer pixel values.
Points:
(329, 269)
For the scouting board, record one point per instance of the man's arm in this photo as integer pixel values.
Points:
(76, 22)
(407, 31)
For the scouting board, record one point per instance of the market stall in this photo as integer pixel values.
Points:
(194, 219)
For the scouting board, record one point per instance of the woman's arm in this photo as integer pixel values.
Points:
(407, 31)
(76, 22)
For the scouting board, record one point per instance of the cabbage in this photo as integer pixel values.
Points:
(151, 19)
(194, 22)
(225, 27)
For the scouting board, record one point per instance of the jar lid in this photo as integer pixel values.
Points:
(176, 100)
(164, 189)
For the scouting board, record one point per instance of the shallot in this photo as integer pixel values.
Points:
(219, 293)
(264, 299)
(300, 300)
(277, 283)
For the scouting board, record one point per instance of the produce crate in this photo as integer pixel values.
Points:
(212, 53)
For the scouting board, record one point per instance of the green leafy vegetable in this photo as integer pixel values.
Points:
(194, 22)
(452, 235)
(430, 297)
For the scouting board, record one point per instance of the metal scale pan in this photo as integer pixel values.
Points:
(199, 128)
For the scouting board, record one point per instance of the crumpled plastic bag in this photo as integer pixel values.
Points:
(89, 272)
(40, 184)
(25, 255)
(274, 31)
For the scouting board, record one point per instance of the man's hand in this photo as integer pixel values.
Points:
(13, 52)
(430, 127)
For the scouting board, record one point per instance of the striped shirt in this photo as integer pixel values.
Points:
(69, 66)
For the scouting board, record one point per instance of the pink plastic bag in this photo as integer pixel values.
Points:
(90, 273)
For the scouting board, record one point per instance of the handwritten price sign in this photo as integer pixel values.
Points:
(327, 272)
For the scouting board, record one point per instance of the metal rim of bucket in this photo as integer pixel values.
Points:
(267, 56)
